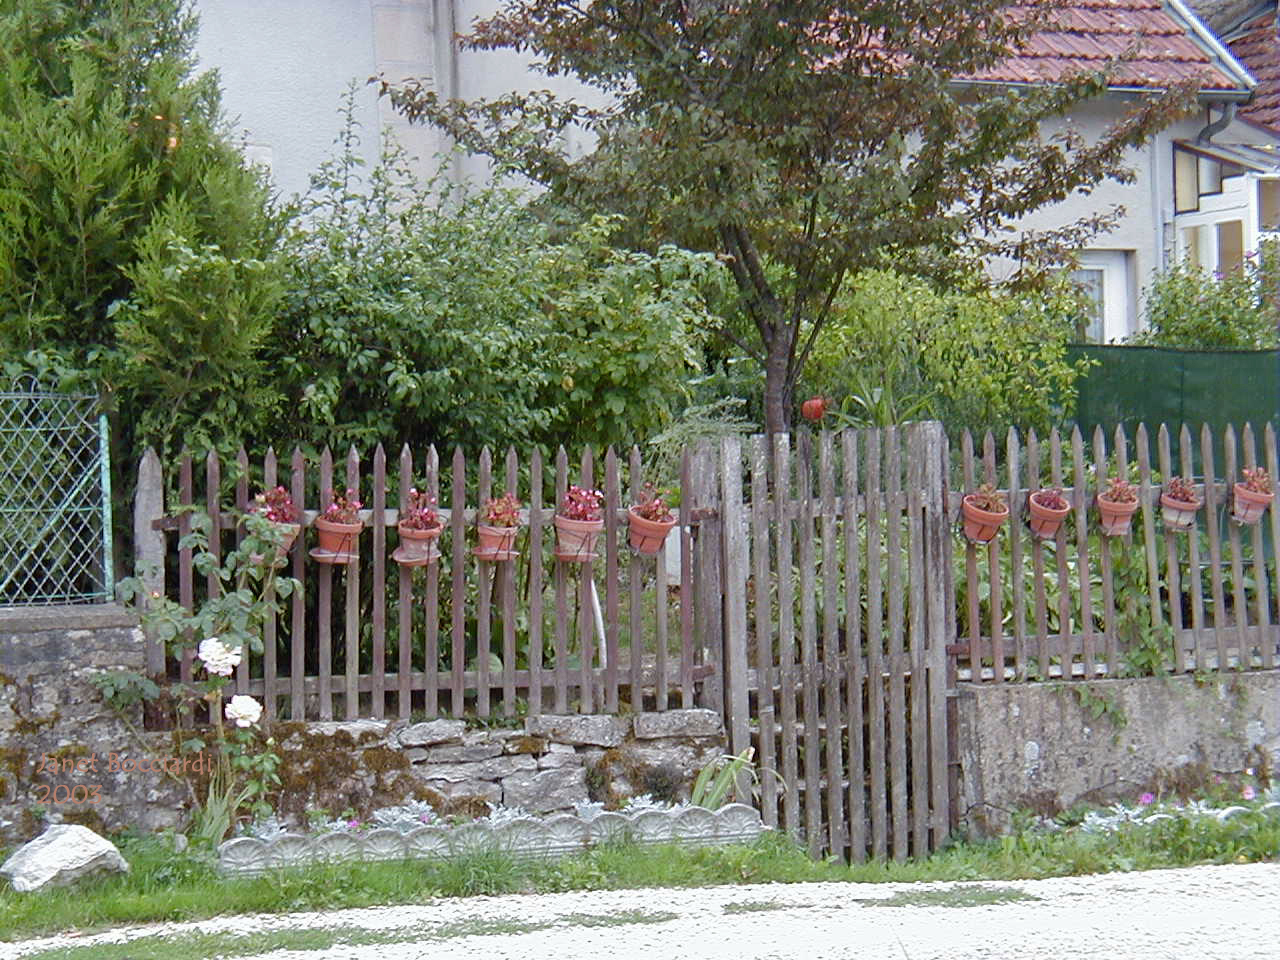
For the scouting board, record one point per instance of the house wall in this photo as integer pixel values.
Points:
(285, 65)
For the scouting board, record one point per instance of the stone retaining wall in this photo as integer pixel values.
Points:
(546, 764)
(50, 714)
(1050, 746)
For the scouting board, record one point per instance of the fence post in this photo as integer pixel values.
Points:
(705, 495)
(149, 545)
(939, 621)
(736, 563)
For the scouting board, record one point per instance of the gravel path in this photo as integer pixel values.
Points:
(1197, 913)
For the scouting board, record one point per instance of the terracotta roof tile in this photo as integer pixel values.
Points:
(1086, 34)
(1258, 48)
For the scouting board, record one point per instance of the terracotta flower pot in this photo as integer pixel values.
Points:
(289, 534)
(981, 526)
(647, 536)
(495, 543)
(1179, 514)
(1116, 517)
(576, 539)
(1248, 506)
(417, 547)
(339, 542)
(1045, 521)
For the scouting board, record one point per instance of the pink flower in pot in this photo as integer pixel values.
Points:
(578, 523)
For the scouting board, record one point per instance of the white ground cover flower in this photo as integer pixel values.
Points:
(243, 711)
(217, 657)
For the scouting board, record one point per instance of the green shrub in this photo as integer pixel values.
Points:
(899, 349)
(1190, 308)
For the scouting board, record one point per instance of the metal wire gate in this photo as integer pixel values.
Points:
(55, 498)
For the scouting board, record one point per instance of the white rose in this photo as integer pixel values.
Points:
(217, 657)
(243, 711)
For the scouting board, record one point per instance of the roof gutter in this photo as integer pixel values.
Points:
(1212, 44)
(1217, 126)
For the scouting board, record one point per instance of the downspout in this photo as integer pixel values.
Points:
(1217, 126)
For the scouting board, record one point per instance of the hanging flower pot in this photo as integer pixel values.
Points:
(1179, 504)
(338, 529)
(1116, 506)
(419, 528)
(984, 511)
(649, 521)
(1252, 496)
(578, 524)
(497, 536)
(1048, 509)
(277, 507)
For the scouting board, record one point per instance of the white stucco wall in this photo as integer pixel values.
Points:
(284, 65)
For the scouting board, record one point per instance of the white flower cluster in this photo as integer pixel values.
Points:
(243, 711)
(217, 657)
(407, 816)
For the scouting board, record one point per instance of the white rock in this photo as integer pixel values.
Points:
(61, 855)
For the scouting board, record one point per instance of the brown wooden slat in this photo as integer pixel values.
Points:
(535, 584)
(351, 633)
(1037, 565)
(875, 648)
(1239, 605)
(686, 584)
(786, 634)
(635, 574)
(431, 609)
(1104, 558)
(855, 670)
(1084, 566)
(586, 621)
(763, 629)
(404, 600)
(1060, 556)
(918, 705)
(940, 612)
(379, 613)
(1013, 459)
(458, 587)
(1173, 572)
(1193, 561)
(242, 505)
(562, 597)
(974, 603)
(808, 646)
(896, 659)
(837, 834)
(1146, 512)
(1261, 593)
(1213, 506)
(508, 603)
(736, 574)
(270, 471)
(324, 630)
(613, 536)
(485, 571)
(186, 573)
(298, 624)
(1273, 470)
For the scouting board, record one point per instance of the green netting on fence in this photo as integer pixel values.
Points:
(1153, 385)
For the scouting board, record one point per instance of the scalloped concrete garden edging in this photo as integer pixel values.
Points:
(525, 838)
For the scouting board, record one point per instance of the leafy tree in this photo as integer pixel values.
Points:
(116, 187)
(802, 140)
(1186, 307)
(438, 313)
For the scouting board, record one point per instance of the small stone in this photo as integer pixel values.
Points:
(558, 761)
(432, 732)
(61, 855)
(678, 723)
(494, 768)
(484, 789)
(458, 754)
(585, 730)
(355, 729)
(546, 791)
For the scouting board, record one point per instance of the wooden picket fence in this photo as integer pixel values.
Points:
(471, 637)
(1081, 605)
(826, 604)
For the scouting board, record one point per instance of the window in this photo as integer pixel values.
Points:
(1230, 246)
(1269, 204)
(1186, 181)
(1105, 277)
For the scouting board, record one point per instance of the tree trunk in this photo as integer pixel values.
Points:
(777, 391)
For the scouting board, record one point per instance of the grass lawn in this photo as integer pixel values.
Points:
(165, 886)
